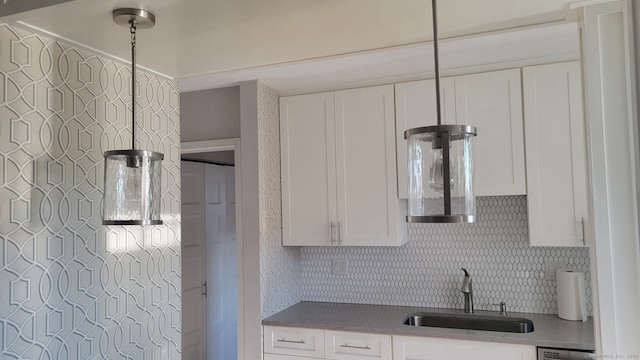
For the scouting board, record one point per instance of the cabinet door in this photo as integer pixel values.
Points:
(366, 167)
(556, 154)
(356, 346)
(492, 103)
(418, 348)
(416, 107)
(294, 341)
(307, 143)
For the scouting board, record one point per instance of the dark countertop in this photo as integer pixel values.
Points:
(549, 330)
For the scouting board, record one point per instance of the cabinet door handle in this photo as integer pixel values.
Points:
(584, 242)
(366, 347)
(339, 233)
(292, 341)
(331, 231)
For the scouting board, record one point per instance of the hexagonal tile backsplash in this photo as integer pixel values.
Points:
(71, 288)
(426, 271)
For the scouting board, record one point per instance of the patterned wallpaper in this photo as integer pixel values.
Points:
(426, 271)
(71, 288)
(279, 266)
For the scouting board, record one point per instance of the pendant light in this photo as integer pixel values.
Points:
(132, 177)
(440, 165)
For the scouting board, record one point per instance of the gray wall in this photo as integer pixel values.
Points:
(271, 273)
(279, 266)
(71, 288)
(210, 114)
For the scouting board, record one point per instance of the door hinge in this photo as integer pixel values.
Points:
(203, 288)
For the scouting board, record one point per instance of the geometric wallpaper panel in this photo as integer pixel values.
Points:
(71, 288)
(426, 271)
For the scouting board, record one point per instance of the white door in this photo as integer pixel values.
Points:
(209, 312)
(193, 260)
(231, 269)
(221, 272)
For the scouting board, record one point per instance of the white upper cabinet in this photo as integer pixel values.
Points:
(556, 154)
(339, 185)
(492, 102)
(368, 206)
(416, 107)
(489, 101)
(307, 141)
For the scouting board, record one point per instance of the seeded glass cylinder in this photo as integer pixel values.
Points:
(132, 187)
(435, 194)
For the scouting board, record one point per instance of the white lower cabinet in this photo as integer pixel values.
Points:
(288, 343)
(421, 348)
(293, 342)
(342, 345)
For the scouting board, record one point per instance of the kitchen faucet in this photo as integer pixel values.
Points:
(467, 290)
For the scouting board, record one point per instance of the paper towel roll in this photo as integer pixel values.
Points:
(572, 296)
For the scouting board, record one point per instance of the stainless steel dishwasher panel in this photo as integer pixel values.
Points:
(564, 354)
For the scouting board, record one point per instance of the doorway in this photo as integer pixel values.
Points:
(209, 256)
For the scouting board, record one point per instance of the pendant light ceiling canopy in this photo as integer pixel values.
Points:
(132, 177)
(440, 165)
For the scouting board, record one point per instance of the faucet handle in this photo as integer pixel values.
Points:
(503, 308)
(466, 282)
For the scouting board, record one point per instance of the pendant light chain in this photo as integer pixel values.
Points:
(132, 29)
(436, 62)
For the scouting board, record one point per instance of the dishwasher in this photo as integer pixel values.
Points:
(564, 354)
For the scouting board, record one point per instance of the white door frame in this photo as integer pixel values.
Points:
(611, 118)
(195, 147)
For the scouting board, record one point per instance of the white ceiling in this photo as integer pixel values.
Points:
(213, 43)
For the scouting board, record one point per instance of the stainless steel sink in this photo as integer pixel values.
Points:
(471, 322)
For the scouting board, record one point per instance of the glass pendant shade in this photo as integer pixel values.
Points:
(440, 168)
(132, 187)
